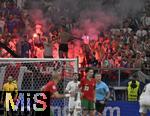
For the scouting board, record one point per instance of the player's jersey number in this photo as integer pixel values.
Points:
(86, 88)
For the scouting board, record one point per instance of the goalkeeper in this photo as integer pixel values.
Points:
(10, 87)
(51, 87)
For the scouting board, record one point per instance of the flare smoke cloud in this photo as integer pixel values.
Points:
(93, 15)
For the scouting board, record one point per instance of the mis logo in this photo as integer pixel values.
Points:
(36, 100)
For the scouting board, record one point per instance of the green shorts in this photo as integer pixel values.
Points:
(51, 113)
(87, 105)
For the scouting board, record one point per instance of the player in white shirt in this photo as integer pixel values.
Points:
(145, 100)
(74, 102)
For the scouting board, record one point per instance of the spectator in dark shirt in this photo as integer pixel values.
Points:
(11, 24)
(25, 48)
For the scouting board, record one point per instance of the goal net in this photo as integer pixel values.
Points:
(32, 74)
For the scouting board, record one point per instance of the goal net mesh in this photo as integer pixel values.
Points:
(32, 74)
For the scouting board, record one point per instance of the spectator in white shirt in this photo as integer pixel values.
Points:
(141, 32)
(126, 28)
(145, 20)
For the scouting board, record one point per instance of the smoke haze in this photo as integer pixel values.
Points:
(93, 15)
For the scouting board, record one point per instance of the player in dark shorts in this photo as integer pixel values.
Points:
(102, 94)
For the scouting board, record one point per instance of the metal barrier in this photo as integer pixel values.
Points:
(116, 75)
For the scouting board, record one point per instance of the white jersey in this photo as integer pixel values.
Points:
(74, 102)
(145, 96)
(73, 87)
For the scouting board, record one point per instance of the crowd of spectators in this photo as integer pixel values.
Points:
(123, 45)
